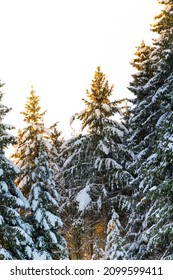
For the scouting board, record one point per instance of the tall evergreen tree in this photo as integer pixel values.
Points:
(33, 156)
(44, 201)
(28, 142)
(15, 239)
(157, 178)
(145, 123)
(94, 166)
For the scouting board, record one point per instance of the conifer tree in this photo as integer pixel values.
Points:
(44, 201)
(28, 142)
(141, 101)
(114, 249)
(146, 121)
(15, 239)
(33, 156)
(157, 177)
(94, 163)
(98, 108)
(98, 252)
(140, 140)
(141, 63)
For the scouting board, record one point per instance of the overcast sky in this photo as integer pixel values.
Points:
(56, 45)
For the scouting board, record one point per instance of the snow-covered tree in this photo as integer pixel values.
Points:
(15, 238)
(141, 137)
(146, 120)
(44, 201)
(98, 252)
(94, 161)
(29, 138)
(34, 155)
(98, 105)
(114, 249)
(157, 178)
(142, 64)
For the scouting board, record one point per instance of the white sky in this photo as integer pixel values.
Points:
(56, 46)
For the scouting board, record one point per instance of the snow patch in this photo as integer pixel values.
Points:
(48, 145)
(83, 198)
(53, 237)
(106, 107)
(118, 132)
(38, 215)
(110, 163)
(153, 188)
(34, 205)
(27, 152)
(103, 147)
(68, 160)
(41, 255)
(4, 187)
(1, 220)
(98, 113)
(53, 220)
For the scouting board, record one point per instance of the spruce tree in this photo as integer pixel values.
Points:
(34, 156)
(142, 64)
(98, 107)
(157, 177)
(98, 252)
(29, 138)
(15, 238)
(140, 140)
(114, 249)
(145, 123)
(44, 201)
(94, 166)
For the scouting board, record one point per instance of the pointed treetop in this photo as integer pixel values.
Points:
(100, 90)
(142, 53)
(32, 109)
(98, 105)
(164, 21)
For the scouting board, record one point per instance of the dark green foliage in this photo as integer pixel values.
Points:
(94, 166)
(44, 201)
(15, 240)
(149, 233)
